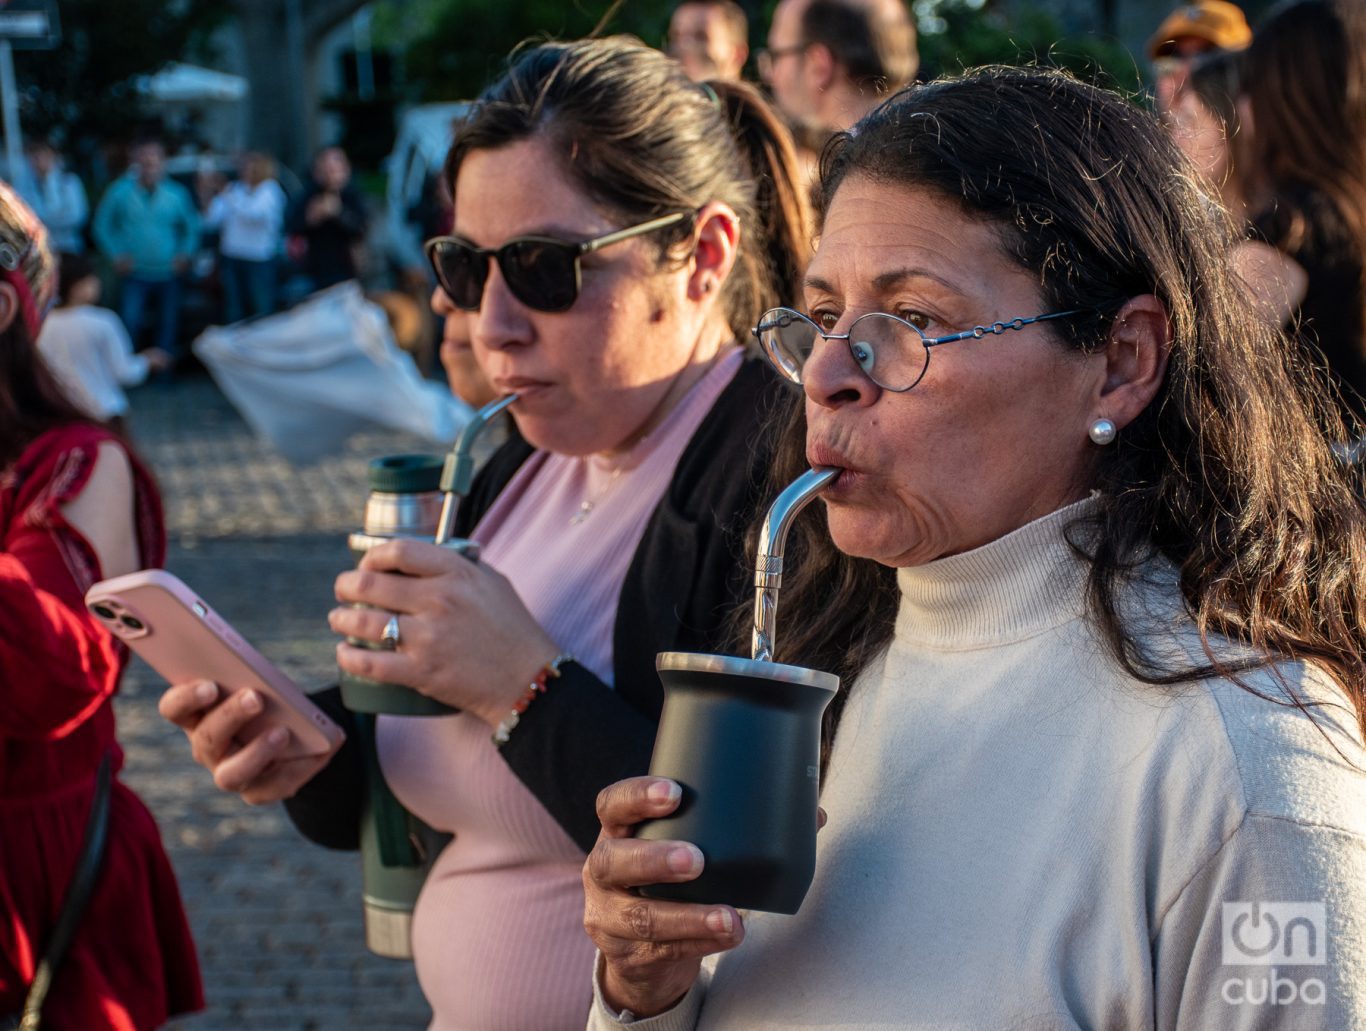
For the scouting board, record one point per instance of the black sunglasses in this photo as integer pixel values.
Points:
(543, 273)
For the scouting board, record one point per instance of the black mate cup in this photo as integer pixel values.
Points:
(742, 739)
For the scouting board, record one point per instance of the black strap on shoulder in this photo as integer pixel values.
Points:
(77, 896)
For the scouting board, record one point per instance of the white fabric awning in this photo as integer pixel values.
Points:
(190, 84)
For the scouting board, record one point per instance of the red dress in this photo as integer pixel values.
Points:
(132, 963)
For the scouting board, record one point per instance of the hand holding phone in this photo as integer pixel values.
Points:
(253, 768)
(247, 722)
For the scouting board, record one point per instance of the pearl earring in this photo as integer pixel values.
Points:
(1102, 432)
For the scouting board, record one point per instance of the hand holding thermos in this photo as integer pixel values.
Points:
(428, 616)
(461, 627)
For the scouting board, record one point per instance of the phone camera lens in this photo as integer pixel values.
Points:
(103, 611)
(131, 622)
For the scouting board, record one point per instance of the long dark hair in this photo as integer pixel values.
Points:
(1215, 79)
(31, 401)
(642, 140)
(1214, 82)
(1226, 473)
(1308, 136)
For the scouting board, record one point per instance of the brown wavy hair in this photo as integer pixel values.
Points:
(1227, 473)
(642, 140)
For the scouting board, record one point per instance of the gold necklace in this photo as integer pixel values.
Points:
(590, 502)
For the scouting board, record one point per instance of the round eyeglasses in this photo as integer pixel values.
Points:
(892, 352)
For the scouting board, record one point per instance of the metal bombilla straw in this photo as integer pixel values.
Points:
(741, 738)
(458, 472)
(768, 566)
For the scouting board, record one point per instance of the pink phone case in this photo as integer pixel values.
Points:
(180, 637)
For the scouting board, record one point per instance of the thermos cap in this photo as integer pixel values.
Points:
(694, 662)
(405, 474)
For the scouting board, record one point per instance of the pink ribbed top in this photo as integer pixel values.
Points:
(498, 931)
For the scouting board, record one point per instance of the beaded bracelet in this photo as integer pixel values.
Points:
(538, 686)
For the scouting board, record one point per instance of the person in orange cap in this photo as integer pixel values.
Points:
(1185, 34)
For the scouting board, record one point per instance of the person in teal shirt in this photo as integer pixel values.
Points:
(148, 227)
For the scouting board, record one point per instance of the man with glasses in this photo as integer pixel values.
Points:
(830, 62)
(1187, 33)
(709, 38)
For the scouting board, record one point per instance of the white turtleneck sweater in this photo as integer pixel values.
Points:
(1022, 836)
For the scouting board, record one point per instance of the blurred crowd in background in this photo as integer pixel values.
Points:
(176, 238)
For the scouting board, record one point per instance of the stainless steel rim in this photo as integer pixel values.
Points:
(695, 662)
(365, 541)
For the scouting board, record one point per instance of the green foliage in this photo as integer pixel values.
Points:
(455, 47)
(82, 89)
(958, 34)
(459, 46)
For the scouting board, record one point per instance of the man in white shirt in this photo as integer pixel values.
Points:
(56, 195)
(250, 216)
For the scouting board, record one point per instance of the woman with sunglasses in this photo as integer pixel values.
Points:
(1097, 760)
(617, 232)
(75, 507)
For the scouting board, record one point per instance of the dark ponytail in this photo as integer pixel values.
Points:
(782, 210)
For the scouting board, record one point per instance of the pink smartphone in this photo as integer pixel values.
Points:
(180, 637)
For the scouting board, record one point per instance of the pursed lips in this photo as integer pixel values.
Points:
(518, 384)
(819, 453)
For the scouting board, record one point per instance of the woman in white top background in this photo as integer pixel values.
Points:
(249, 215)
(88, 349)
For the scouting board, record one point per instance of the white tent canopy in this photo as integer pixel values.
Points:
(190, 84)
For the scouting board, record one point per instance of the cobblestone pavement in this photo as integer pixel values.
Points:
(277, 919)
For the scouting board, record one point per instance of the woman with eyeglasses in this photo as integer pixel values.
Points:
(1097, 760)
(92, 932)
(617, 232)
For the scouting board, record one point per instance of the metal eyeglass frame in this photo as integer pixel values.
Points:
(576, 250)
(975, 333)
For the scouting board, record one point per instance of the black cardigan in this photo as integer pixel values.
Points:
(688, 576)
